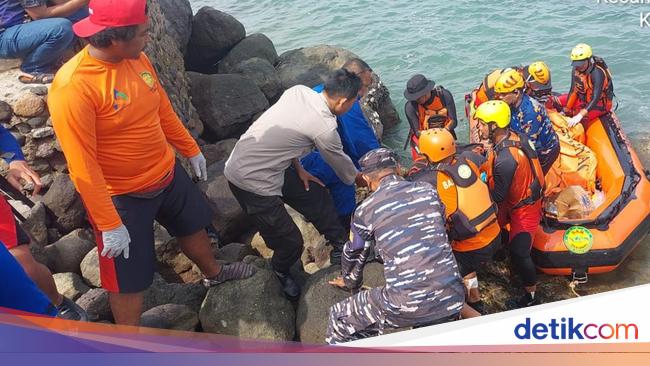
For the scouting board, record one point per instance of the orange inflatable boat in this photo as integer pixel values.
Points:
(600, 242)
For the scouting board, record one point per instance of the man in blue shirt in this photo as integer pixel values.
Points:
(15, 241)
(357, 137)
(528, 117)
(39, 34)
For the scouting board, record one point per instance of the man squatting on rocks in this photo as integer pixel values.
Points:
(117, 127)
(405, 221)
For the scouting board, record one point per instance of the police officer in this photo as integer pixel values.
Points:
(471, 215)
(405, 221)
(516, 184)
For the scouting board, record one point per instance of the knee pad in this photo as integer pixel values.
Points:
(520, 245)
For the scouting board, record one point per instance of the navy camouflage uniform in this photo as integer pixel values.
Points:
(405, 221)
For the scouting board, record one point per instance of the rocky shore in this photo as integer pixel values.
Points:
(220, 79)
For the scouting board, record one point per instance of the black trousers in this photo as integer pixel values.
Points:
(276, 226)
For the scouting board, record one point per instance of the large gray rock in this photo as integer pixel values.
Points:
(29, 105)
(35, 224)
(170, 316)
(6, 112)
(315, 254)
(161, 293)
(227, 104)
(264, 75)
(318, 296)
(67, 254)
(90, 268)
(218, 151)
(178, 14)
(96, 304)
(255, 45)
(235, 252)
(214, 33)
(63, 200)
(229, 219)
(70, 285)
(176, 266)
(311, 65)
(254, 308)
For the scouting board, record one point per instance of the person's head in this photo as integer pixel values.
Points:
(510, 87)
(494, 118)
(119, 28)
(581, 56)
(360, 68)
(418, 89)
(538, 80)
(377, 164)
(341, 90)
(437, 145)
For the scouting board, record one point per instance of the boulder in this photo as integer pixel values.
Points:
(58, 163)
(70, 285)
(214, 33)
(229, 219)
(178, 15)
(218, 151)
(254, 308)
(227, 104)
(29, 105)
(90, 269)
(170, 316)
(35, 224)
(36, 122)
(6, 112)
(96, 304)
(39, 133)
(235, 252)
(161, 292)
(255, 45)
(41, 90)
(263, 74)
(167, 58)
(318, 296)
(67, 254)
(310, 66)
(316, 253)
(174, 265)
(63, 200)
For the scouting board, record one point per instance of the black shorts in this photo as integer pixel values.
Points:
(471, 261)
(181, 208)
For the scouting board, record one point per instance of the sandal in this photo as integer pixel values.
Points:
(38, 78)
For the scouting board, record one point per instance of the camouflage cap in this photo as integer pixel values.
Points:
(377, 159)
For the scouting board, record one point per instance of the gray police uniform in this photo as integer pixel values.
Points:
(405, 220)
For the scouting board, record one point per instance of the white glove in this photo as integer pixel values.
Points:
(575, 120)
(199, 165)
(116, 241)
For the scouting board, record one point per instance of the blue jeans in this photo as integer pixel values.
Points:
(40, 43)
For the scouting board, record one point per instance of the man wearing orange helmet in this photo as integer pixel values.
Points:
(516, 184)
(528, 117)
(592, 89)
(471, 216)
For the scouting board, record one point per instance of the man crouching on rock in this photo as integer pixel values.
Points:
(406, 222)
(117, 127)
(264, 171)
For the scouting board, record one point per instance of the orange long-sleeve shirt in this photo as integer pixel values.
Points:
(115, 125)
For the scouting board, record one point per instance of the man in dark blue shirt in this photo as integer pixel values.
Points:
(39, 34)
(357, 137)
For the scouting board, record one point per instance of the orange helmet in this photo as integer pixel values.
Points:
(437, 144)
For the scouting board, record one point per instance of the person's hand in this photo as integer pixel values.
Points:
(18, 169)
(199, 166)
(306, 177)
(575, 120)
(116, 242)
(359, 181)
(338, 282)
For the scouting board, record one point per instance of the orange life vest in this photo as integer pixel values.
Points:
(434, 114)
(528, 182)
(584, 88)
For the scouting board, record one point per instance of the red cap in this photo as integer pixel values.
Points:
(111, 13)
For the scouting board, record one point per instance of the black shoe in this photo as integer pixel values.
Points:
(523, 302)
(68, 310)
(289, 285)
(478, 306)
